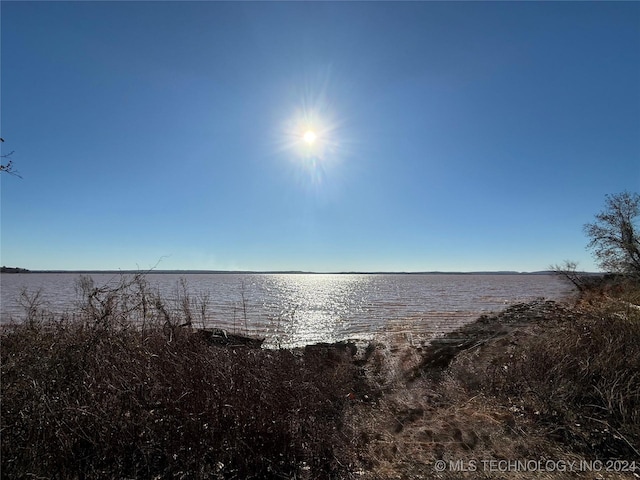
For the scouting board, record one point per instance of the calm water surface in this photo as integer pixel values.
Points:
(298, 309)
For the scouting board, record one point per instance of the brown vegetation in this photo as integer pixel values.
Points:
(126, 404)
(539, 381)
(102, 397)
(129, 389)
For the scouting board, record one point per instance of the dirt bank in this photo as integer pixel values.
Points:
(469, 399)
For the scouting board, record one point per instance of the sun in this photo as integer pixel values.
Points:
(310, 137)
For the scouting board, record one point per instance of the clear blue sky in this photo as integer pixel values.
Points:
(449, 136)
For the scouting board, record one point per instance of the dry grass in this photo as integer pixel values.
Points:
(579, 379)
(126, 389)
(537, 382)
(103, 397)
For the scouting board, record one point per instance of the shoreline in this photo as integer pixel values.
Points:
(17, 270)
(508, 385)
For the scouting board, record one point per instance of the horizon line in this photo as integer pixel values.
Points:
(283, 272)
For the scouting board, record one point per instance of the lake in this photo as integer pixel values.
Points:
(298, 309)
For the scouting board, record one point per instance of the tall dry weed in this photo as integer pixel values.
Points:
(126, 389)
(578, 378)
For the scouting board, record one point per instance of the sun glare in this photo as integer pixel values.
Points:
(310, 136)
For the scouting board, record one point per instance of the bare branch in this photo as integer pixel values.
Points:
(615, 239)
(8, 167)
(569, 270)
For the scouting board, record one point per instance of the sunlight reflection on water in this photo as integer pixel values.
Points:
(298, 309)
(314, 307)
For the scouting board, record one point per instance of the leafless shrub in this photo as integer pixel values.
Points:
(111, 394)
(569, 271)
(34, 307)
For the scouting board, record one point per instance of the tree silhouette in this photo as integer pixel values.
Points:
(614, 235)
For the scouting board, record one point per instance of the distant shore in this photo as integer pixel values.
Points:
(278, 272)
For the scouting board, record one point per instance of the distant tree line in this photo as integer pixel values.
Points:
(13, 270)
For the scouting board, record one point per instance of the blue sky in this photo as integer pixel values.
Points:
(450, 136)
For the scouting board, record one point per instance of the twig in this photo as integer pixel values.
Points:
(617, 432)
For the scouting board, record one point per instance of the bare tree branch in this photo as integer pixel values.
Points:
(8, 167)
(615, 239)
(569, 270)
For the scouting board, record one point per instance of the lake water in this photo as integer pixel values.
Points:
(298, 309)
